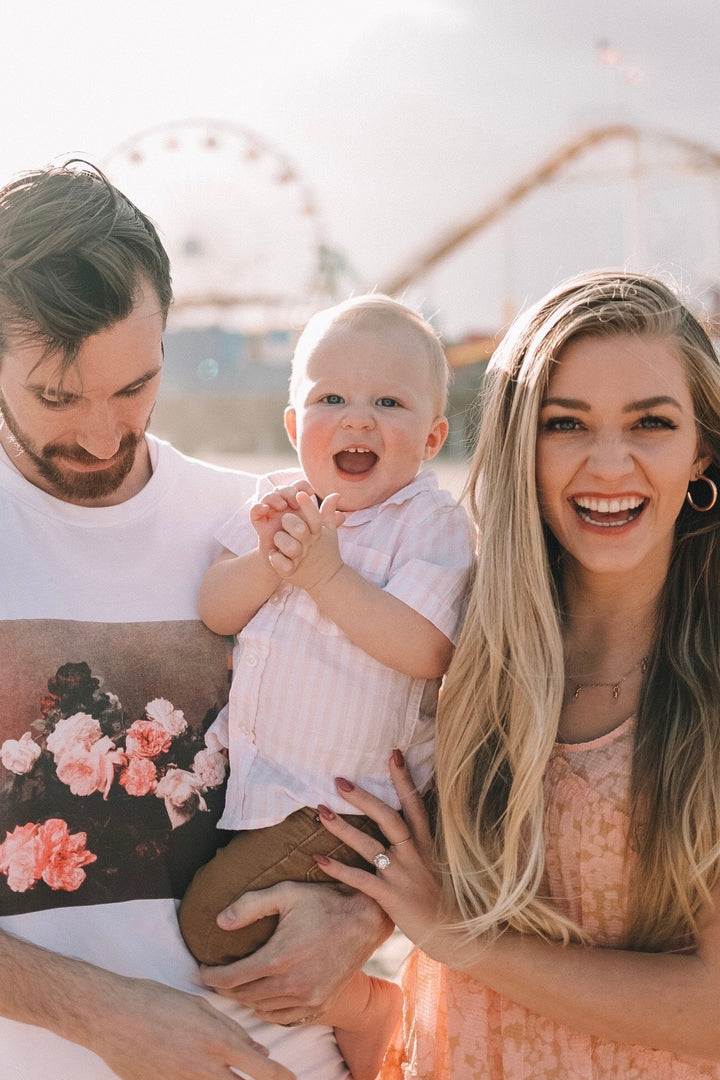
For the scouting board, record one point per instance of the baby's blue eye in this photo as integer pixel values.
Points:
(387, 402)
(333, 399)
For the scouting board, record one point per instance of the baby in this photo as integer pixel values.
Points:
(344, 587)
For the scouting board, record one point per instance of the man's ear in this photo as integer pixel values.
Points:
(436, 437)
(291, 425)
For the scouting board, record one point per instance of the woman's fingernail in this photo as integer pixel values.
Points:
(321, 860)
(344, 784)
(325, 812)
(398, 758)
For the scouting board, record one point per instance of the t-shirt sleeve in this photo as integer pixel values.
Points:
(432, 568)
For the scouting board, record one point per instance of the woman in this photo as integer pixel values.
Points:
(572, 929)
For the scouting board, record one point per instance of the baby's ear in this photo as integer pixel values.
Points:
(291, 425)
(436, 437)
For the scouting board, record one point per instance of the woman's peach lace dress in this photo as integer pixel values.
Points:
(457, 1029)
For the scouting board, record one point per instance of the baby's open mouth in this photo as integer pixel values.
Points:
(609, 513)
(355, 461)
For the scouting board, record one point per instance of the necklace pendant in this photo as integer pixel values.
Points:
(616, 691)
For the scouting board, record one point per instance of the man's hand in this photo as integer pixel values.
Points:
(290, 979)
(166, 1034)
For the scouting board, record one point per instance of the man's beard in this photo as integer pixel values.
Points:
(74, 486)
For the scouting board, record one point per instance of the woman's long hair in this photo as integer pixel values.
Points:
(503, 695)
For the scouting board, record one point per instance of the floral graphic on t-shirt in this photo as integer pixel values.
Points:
(48, 851)
(82, 744)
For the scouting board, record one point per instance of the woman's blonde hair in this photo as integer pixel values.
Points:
(503, 694)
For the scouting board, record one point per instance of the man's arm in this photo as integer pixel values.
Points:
(139, 1027)
(290, 978)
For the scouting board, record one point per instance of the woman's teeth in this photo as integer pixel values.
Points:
(609, 512)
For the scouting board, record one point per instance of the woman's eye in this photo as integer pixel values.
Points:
(653, 423)
(333, 399)
(562, 423)
(387, 402)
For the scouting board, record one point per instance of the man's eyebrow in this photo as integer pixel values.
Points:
(45, 390)
(141, 379)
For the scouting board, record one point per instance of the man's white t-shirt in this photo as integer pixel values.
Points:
(109, 795)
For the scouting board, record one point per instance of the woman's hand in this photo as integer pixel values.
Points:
(408, 887)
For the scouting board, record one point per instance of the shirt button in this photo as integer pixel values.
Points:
(251, 660)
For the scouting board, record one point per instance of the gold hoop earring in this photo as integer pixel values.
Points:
(713, 495)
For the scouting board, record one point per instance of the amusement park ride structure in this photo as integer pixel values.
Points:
(248, 246)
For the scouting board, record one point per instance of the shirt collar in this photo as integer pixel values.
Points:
(426, 480)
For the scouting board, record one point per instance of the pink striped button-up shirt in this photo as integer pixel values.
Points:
(306, 705)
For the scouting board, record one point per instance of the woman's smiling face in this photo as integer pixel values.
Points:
(617, 446)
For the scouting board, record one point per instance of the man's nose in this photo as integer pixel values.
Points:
(100, 433)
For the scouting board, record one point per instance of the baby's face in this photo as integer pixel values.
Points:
(365, 415)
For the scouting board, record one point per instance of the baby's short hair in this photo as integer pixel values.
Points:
(373, 311)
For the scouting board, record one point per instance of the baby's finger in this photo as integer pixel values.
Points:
(274, 501)
(281, 564)
(310, 511)
(329, 513)
(294, 526)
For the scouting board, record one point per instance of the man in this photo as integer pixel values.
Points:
(108, 792)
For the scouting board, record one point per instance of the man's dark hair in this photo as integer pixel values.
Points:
(73, 254)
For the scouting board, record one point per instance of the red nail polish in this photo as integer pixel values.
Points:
(321, 860)
(398, 758)
(325, 812)
(344, 784)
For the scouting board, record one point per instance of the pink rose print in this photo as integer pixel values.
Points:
(210, 766)
(170, 719)
(19, 755)
(181, 791)
(139, 777)
(62, 855)
(147, 739)
(73, 732)
(18, 858)
(88, 771)
(48, 851)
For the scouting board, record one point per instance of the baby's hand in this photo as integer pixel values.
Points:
(307, 553)
(266, 514)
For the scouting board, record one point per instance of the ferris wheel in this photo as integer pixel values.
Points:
(241, 227)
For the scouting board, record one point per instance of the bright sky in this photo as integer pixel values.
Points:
(405, 117)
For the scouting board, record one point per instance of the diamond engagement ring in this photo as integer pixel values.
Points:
(382, 860)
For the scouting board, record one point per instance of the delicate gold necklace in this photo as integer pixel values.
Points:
(614, 686)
